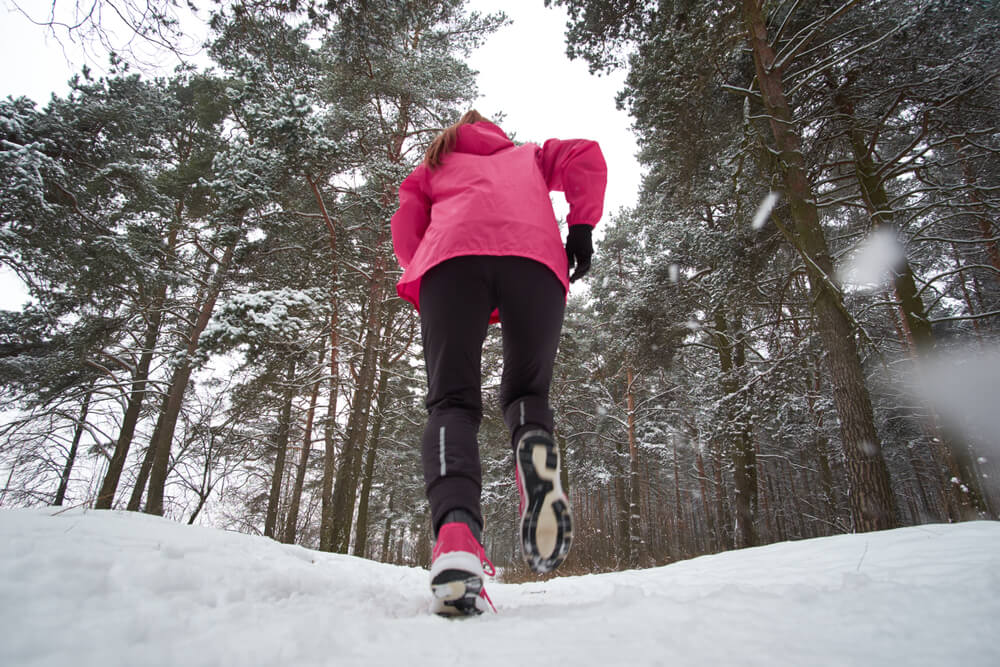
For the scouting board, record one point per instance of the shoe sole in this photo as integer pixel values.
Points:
(456, 584)
(546, 525)
(457, 593)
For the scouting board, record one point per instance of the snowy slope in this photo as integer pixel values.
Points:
(110, 588)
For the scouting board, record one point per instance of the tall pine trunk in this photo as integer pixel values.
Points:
(361, 534)
(873, 506)
(738, 440)
(346, 487)
(621, 524)
(387, 531)
(326, 528)
(292, 520)
(636, 545)
(81, 424)
(140, 380)
(281, 451)
(142, 477)
(968, 492)
(179, 383)
(915, 321)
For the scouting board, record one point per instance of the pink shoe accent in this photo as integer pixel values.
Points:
(459, 567)
(456, 537)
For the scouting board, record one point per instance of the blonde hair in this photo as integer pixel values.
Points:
(444, 143)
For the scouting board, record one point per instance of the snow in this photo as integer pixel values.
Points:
(765, 209)
(961, 385)
(872, 264)
(114, 588)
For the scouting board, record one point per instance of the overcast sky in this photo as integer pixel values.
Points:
(524, 73)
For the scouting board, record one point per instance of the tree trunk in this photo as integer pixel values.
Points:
(387, 534)
(140, 380)
(326, 529)
(135, 501)
(915, 321)
(361, 535)
(621, 524)
(182, 375)
(563, 463)
(873, 506)
(739, 442)
(292, 520)
(969, 493)
(206, 481)
(980, 209)
(106, 495)
(679, 539)
(281, 445)
(635, 542)
(346, 487)
(160, 447)
(765, 505)
(329, 442)
(722, 510)
(703, 488)
(780, 534)
(71, 457)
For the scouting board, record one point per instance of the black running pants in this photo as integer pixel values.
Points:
(457, 298)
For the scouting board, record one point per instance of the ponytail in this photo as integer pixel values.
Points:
(444, 143)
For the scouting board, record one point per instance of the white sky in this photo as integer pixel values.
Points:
(523, 72)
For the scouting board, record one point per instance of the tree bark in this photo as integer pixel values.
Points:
(361, 534)
(178, 386)
(969, 493)
(387, 533)
(281, 451)
(981, 211)
(635, 542)
(81, 423)
(563, 463)
(292, 520)
(703, 488)
(140, 380)
(135, 500)
(739, 442)
(679, 539)
(873, 506)
(346, 486)
(326, 529)
(916, 324)
(621, 525)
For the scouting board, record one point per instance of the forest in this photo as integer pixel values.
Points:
(214, 333)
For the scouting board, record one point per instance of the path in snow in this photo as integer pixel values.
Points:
(112, 588)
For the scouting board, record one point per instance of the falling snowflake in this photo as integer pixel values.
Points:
(764, 210)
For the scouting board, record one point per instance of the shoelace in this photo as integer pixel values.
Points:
(486, 595)
(489, 571)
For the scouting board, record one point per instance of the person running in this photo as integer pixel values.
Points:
(478, 241)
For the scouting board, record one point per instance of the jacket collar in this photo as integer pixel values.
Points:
(482, 138)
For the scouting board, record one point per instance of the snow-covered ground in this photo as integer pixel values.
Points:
(110, 588)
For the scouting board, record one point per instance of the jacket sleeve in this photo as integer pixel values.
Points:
(413, 216)
(576, 168)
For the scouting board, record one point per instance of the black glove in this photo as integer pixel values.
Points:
(579, 249)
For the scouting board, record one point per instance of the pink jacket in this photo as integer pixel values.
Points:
(490, 197)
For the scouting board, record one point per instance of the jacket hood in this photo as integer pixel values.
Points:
(482, 138)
